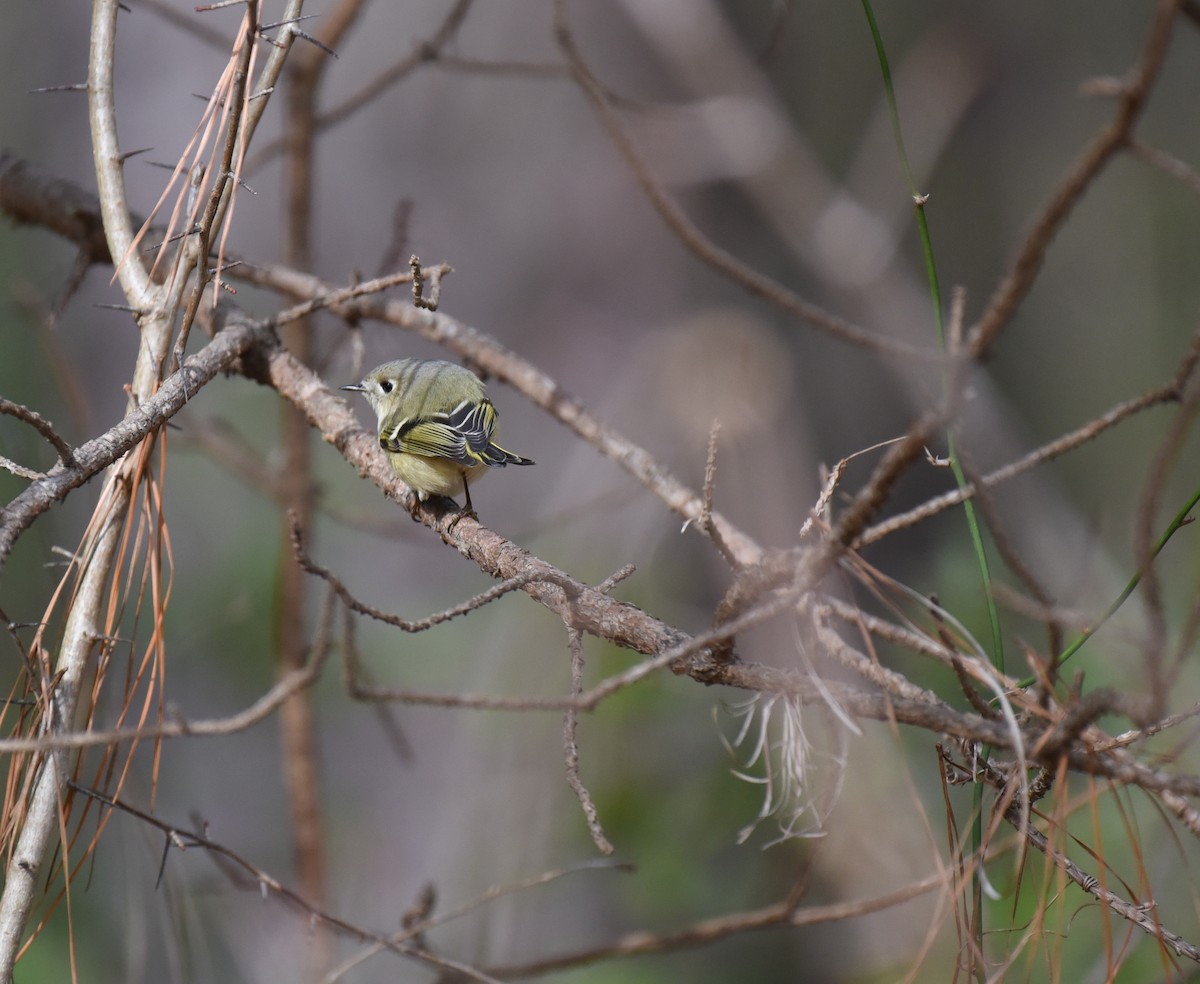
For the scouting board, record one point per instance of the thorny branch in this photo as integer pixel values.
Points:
(237, 867)
(582, 607)
(95, 455)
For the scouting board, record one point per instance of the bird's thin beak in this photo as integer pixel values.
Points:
(354, 387)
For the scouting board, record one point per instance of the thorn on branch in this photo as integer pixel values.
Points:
(221, 268)
(155, 247)
(240, 183)
(290, 21)
(77, 87)
(136, 312)
(296, 33)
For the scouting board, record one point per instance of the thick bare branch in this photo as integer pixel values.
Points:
(31, 195)
(493, 358)
(106, 150)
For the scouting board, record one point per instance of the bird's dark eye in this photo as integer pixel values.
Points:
(387, 385)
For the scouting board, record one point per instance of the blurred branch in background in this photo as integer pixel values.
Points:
(810, 608)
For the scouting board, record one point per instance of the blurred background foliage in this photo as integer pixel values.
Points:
(772, 132)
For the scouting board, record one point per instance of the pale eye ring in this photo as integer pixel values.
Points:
(387, 385)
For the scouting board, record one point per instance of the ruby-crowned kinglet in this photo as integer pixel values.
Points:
(436, 424)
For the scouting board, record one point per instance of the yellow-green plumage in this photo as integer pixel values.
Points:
(436, 423)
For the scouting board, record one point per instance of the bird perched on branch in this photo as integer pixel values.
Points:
(436, 424)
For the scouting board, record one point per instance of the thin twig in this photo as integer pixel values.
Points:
(182, 839)
(420, 625)
(1112, 138)
(498, 362)
(424, 925)
(571, 748)
(1168, 392)
(1127, 738)
(1167, 163)
(20, 470)
(711, 530)
(421, 53)
(707, 931)
(1142, 915)
(1005, 546)
(178, 726)
(1171, 446)
(693, 239)
(427, 301)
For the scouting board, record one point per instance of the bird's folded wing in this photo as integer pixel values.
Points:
(461, 435)
(474, 421)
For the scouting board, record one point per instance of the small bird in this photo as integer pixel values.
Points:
(436, 424)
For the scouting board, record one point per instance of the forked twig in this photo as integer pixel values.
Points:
(419, 625)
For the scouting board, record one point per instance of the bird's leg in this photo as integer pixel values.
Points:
(468, 509)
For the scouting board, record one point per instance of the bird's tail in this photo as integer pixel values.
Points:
(498, 457)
